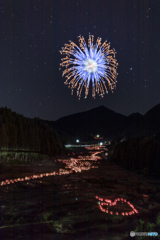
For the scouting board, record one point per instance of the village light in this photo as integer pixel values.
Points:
(77, 140)
(98, 135)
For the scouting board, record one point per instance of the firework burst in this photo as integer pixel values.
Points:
(95, 63)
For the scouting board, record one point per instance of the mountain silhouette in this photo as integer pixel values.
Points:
(152, 117)
(86, 125)
(108, 124)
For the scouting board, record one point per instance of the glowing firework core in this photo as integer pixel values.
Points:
(90, 65)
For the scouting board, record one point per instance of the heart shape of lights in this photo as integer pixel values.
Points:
(108, 202)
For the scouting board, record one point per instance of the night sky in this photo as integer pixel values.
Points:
(32, 32)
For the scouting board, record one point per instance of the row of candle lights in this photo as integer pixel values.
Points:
(9, 181)
(80, 163)
(72, 164)
(95, 147)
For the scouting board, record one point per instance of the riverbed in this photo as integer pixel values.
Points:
(81, 196)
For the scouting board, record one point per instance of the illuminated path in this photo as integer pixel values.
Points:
(77, 165)
(80, 163)
(73, 164)
(9, 181)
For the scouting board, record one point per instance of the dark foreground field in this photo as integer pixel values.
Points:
(66, 207)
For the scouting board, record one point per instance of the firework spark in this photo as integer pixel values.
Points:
(95, 63)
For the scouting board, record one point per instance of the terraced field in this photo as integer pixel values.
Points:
(79, 197)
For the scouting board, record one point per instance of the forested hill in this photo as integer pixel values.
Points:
(139, 154)
(19, 132)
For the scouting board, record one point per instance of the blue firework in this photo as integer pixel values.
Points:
(92, 63)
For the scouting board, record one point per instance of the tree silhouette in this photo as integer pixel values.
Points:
(3, 137)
